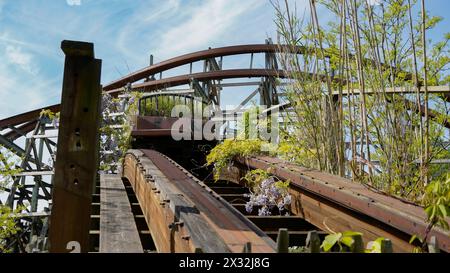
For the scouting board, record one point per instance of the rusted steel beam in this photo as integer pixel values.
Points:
(25, 117)
(193, 57)
(203, 76)
(332, 199)
(213, 53)
(410, 105)
(21, 130)
(432, 114)
(77, 152)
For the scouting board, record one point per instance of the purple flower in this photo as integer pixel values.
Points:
(268, 196)
(263, 211)
(287, 199)
(249, 207)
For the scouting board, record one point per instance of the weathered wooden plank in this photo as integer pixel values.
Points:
(77, 152)
(34, 173)
(118, 231)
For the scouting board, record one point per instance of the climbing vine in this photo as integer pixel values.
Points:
(118, 119)
(8, 168)
(267, 193)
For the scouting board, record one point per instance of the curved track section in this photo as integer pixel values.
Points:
(197, 56)
(183, 214)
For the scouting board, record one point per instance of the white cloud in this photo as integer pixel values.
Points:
(16, 56)
(206, 23)
(20, 93)
(141, 21)
(73, 2)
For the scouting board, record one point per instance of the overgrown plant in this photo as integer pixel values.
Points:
(223, 154)
(350, 117)
(8, 168)
(267, 192)
(348, 241)
(115, 131)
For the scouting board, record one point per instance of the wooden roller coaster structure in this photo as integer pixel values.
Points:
(183, 213)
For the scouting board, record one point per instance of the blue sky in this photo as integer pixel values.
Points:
(124, 33)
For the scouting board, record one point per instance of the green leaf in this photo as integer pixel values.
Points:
(443, 210)
(347, 240)
(413, 238)
(375, 246)
(351, 233)
(330, 241)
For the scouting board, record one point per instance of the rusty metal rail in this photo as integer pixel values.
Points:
(332, 202)
(193, 57)
(203, 76)
(182, 213)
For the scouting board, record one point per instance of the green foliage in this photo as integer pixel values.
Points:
(49, 114)
(375, 246)
(343, 241)
(8, 168)
(224, 153)
(8, 226)
(291, 151)
(255, 177)
(298, 249)
(437, 202)
(162, 105)
(322, 127)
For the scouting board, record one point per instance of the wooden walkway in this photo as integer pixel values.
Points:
(118, 231)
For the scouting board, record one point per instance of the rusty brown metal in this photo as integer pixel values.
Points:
(232, 227)
(25, 117)
(21, 130)
(222, 222)
(212, 53)
(193, 57)
(405, 217)
(432, 114)
(203, 76)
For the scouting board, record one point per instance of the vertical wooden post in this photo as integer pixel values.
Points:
(358, 245)
(283, 241)
(386, 246)
(433, 246)
(77, 154)
(247, 248)
(313, 242)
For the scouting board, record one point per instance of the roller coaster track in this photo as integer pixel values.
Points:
(184, 214)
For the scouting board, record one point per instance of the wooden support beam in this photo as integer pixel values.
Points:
(77, 153)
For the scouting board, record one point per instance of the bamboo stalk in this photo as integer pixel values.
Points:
(425, 77)
(364, 131)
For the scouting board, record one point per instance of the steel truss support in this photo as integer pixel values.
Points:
(268, 94)
(31, 188)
